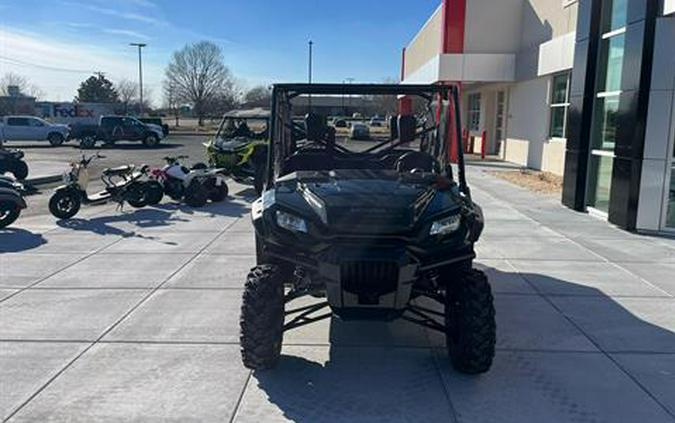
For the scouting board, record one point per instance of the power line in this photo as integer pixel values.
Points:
(17, 62)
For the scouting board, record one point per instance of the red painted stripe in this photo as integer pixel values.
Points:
(454, 20)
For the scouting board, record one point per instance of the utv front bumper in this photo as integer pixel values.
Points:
(380, 274)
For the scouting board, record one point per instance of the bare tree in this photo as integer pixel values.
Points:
(127, 91)
(26, 88)
(199, 76)
(386, 105)
(260, 96)
(171, 99)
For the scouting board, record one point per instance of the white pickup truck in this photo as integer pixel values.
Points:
(31, 128)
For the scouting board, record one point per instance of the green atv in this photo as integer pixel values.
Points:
(239, 150)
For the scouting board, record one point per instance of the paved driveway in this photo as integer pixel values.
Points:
(134, 317)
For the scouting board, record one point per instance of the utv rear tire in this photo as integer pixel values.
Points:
(470, 323)
(262, 318)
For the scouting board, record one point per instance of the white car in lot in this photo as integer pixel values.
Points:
(31, 128)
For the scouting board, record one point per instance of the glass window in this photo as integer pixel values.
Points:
(36, 122)
(559, 105)
(474, 112)
(559, 91)
(615, 14)
(17, 122)
(611, 63)
(605, 118)
(557, 125)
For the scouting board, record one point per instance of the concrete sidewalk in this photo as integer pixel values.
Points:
(134, 316)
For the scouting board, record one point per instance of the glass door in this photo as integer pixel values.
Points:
(500, 117)
(606, 107)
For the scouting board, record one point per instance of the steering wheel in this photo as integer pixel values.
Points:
(415, 161)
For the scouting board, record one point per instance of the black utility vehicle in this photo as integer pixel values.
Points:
(112, 129)
(382, 233)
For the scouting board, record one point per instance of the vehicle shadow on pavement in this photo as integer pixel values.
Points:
(14, 240)
(139, 146)
(141, 219)
(365, 377)
(226, 209)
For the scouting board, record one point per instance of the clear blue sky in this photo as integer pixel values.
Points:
(263, 40)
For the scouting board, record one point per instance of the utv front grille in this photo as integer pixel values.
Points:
(369, 280)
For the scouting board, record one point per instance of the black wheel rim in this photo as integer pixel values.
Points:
(65, 204)
(5, 211)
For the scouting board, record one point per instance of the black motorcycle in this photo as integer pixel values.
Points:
(11, 201)
(12, 161)
(122, 184)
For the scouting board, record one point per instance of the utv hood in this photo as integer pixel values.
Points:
(364, 201)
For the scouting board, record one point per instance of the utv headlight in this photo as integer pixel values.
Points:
(291, 222)
(446, 225)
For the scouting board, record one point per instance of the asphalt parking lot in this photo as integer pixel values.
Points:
(134, 317)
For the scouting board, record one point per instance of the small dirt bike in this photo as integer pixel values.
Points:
(12, 161)
(194, 186)
(11, 201)
(122, 184)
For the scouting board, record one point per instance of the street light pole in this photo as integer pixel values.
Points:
(309, 99)
(140, 72)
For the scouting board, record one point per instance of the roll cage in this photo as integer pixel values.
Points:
(436, 126)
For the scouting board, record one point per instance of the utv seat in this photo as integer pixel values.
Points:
(308, 160)
(407, 128)
(415, 161)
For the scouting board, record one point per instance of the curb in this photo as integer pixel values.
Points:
(42, 180)
(192, 134)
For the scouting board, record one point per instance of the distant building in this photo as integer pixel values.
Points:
(16, 103)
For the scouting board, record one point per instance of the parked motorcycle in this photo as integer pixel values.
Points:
(122, 184)
(193, 186)
(11, 201)
(12, 161)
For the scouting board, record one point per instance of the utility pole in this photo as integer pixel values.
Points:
(140, 72)
(309, 99)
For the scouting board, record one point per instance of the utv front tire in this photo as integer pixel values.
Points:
(470, 323)
(262, 318)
